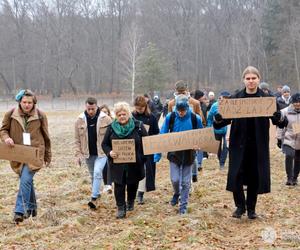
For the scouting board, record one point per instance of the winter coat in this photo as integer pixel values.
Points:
(238, 144)
(151, 121)
(13, 127)
(282, 103)
(183, 157)
(157, 109)
(210, 119)
(286, 134)
(135, 171)
(81, 134)
(194, 104)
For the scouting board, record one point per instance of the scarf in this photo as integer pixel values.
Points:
(123, 130)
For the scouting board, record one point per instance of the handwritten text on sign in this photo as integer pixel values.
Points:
(125, 150)
(247, 107)
(20, 153)
(296, 128)
(202, 138)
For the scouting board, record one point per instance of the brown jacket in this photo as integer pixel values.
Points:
(194, 104)
(81, 134)
(13, 127)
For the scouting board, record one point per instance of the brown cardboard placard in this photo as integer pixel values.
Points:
(296, 127)
(20, 153)
(247, 107)
(125, 149)
(202, 138)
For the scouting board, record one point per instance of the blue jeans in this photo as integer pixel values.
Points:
(96, 165)
(197, 163)
(181, 180)
(223, 150)
(26, 196)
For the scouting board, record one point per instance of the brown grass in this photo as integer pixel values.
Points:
(65, 222)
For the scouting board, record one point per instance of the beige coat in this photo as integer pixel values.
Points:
(194, 104)
(81, 134)
(287, 135)
(13, 127)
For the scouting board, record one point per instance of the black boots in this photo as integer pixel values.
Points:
(238, 212)
(251, 214)
(130, 205)
(140, 198)
(18, 218)
(121, 212)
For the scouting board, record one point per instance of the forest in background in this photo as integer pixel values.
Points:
(109, 46)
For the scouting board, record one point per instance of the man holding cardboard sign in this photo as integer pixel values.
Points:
(182, 119)
(26, 125)
(249, 160)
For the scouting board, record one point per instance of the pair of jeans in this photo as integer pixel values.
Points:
(181, 182)
(96, 165)
(197, 163)
(223, 150)
(26, 199)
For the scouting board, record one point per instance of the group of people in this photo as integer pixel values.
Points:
(96, 129)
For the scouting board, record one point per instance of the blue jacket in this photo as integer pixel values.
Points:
(210, 119)
(180, 123)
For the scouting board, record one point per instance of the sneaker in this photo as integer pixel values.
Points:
(194, 178)
(182, 211)
(29, 213)
(238, 212)
(174, 200)
(107, 189)
(93, 203)
(18, 218)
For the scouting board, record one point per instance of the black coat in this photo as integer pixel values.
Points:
(150, 164)
(136, 171)
(238, 144)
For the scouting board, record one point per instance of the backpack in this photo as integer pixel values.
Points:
(172, 120)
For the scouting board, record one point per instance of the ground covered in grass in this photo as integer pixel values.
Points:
(64, 220)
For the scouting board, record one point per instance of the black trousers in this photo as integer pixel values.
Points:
(106, 174)
(120, 191)
(292, 165)
(248, 175)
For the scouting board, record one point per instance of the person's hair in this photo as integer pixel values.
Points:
(104, 106)
(30, 93)
(140, 101)
(251, 70)
(146, 95)
(198, 94)
(91, 101)
(122, 106)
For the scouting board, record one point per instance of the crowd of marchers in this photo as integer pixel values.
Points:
(246, 141)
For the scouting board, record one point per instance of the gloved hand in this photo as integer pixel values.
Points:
(279, 142)
(277, 116)
(218, 117)
(157, 157)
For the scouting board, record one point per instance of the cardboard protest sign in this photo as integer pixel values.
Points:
(296, 128)
(20, 153)
(202, 138)
(247, 107)
(125, 150)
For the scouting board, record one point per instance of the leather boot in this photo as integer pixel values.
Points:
(121, 212)
(130, 205)
(140, 198)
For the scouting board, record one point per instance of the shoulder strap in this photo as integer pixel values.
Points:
(171, 121)
(194, 120)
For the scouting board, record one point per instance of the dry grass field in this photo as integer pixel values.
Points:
(64, 220)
